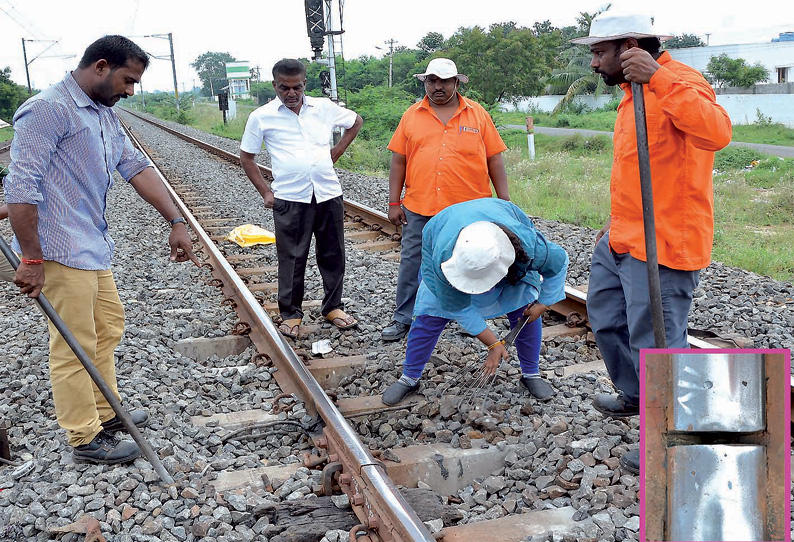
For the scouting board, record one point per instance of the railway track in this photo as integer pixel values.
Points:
(378, 505)
(349, 465)
(555, 491)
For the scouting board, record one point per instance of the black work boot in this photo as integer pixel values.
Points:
(397, 392)
(538, 387)
(616, 406)
(394, 331)
(631, 461)
(106, 449)
(139, 417)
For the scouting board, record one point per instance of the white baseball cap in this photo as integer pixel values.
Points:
(443, 68)
(482, 255)
(609, 26)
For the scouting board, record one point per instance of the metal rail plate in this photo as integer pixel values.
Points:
(716, 492)
(718, 392)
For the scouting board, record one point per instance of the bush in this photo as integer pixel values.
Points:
(735, 157)
(365, 156)
(381, 108)
(611, 105)
(585, 146)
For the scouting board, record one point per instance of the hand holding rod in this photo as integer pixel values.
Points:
(93, 372)
(646, 189)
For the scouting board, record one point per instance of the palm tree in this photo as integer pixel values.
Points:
(575, 79)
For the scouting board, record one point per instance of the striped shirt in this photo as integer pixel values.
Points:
(63, 155)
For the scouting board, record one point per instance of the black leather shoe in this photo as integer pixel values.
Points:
(139, 417)
(394, 331)
(615, 405)
(631, 461)
(106, 449)
(397, 392)
(538, 388)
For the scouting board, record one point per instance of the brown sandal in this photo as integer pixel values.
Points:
(341, 319)
(290, 328)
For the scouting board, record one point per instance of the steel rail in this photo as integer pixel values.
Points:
(386, 509)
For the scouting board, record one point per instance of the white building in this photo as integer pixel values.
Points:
(776, 56)
(239, 76)
(774, 99)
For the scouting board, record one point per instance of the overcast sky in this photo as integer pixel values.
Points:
(264, 31)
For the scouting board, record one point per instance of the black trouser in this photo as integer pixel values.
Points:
(295, 223)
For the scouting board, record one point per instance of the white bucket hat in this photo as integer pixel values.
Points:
(481, 257)
(609, 26)
(443, 68)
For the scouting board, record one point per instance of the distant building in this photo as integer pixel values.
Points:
(776, 56)
(773, 99)
(239, 76)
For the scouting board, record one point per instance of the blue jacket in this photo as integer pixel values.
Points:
(437, 297)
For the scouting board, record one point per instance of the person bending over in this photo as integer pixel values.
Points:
(482, 259)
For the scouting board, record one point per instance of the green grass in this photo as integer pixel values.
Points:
(753, 193)
(207, 117)
(569, 182)
(763, 132)
(768, 134)
(6, 133)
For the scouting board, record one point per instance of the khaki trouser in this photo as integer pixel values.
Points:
(89, 305)
(6, 271)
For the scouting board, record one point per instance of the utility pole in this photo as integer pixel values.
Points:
(391, 57)
(52, 43)
(173, 67)
(27, 73)
(331, 53)
(390, 43)
(170, 39)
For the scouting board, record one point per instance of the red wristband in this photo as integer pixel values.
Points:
(395, 204)
(32, 262)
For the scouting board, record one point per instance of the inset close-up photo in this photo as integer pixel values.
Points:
(715, 445)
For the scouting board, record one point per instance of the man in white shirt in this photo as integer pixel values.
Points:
(305, 196)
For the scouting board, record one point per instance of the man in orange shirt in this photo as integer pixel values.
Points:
(446, 150)
(686, 127)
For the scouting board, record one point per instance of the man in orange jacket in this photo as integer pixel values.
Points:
(686, 127)
(446, 150)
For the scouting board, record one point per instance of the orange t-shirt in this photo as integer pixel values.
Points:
(445, 164)
(686, 127)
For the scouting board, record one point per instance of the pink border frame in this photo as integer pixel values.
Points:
(786, 360)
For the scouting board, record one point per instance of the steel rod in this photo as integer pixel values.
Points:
(649, 224)
(93, 372)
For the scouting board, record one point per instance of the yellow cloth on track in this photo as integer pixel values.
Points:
(248, 235)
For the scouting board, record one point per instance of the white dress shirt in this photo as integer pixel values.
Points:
(299, 146)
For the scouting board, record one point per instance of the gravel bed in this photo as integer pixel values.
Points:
(559, 453)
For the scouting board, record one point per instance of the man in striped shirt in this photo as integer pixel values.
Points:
(67, 143)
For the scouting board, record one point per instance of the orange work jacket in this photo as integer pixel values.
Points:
(686, 127)
(445, 164)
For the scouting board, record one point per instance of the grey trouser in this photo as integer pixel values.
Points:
(6, 271)
(410, 261)
(619, 309)
(295, 223)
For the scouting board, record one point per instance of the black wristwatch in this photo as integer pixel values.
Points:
(176, 221)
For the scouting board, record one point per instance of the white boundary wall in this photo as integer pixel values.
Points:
(742, 108)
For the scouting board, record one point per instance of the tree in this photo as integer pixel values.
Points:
(211, 69)
(505, 62)
(684, 40)
(432, 42)
(575, 77)
(724, 71)
(11, 95)
(263, 90)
